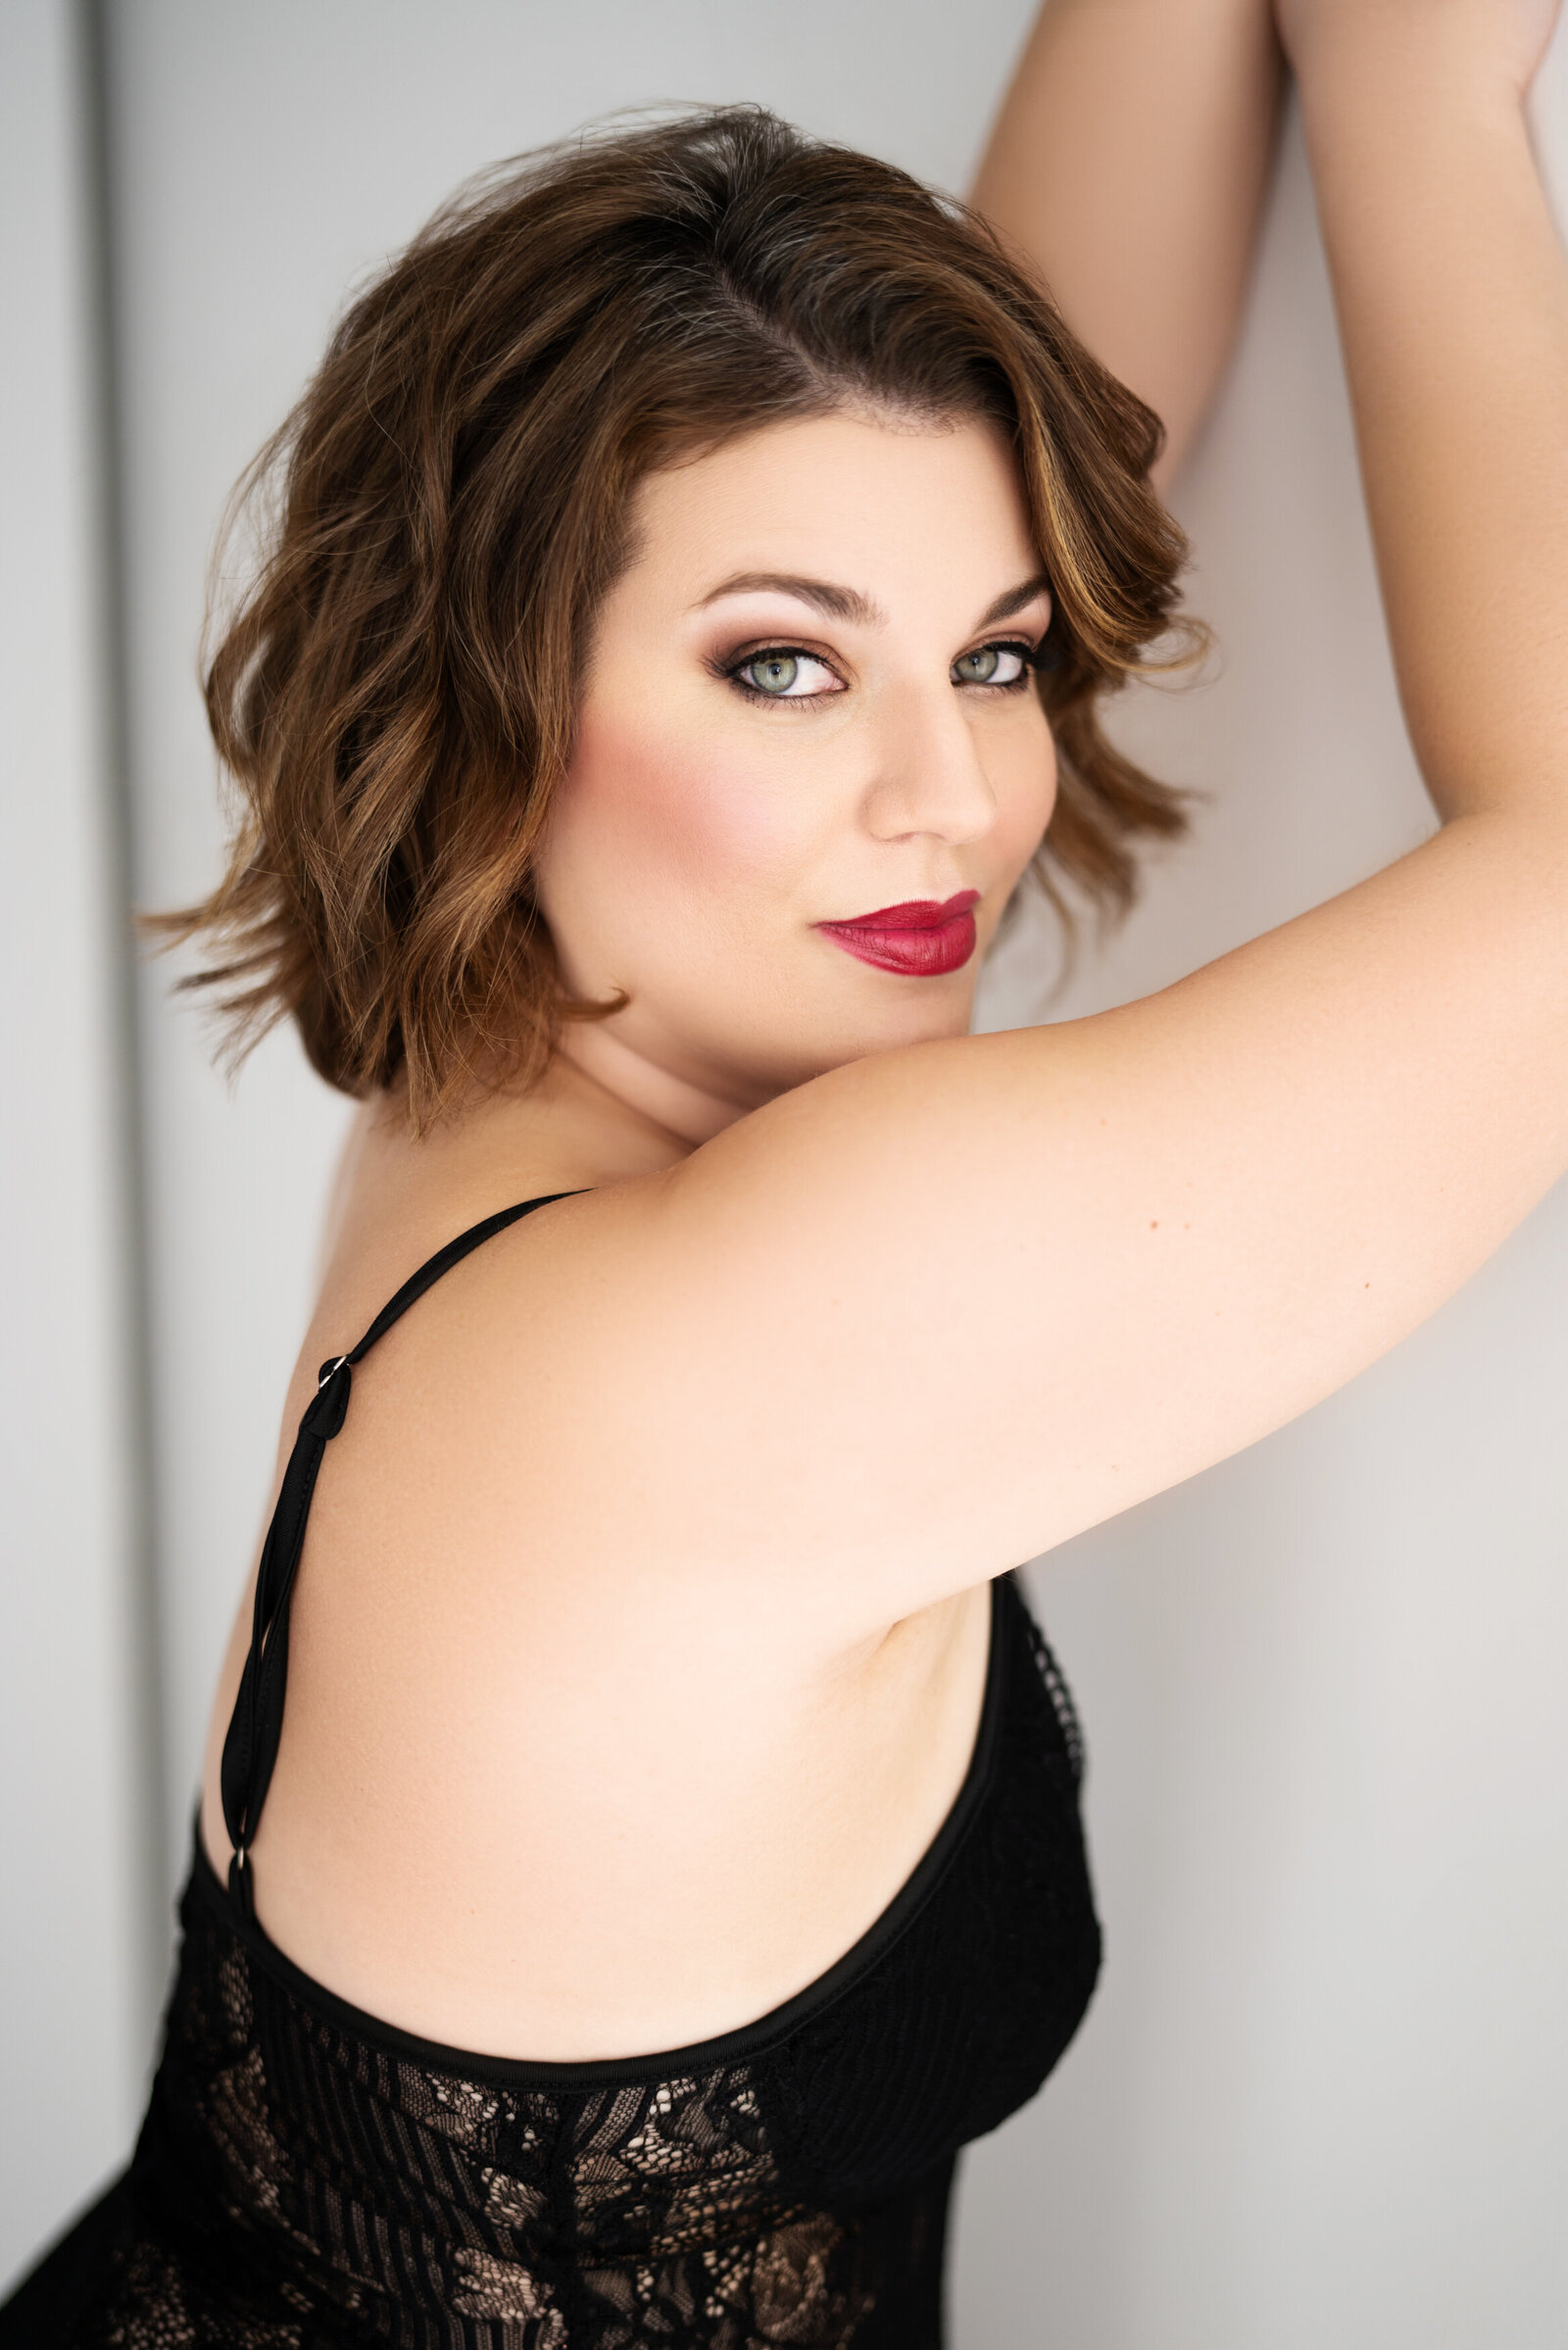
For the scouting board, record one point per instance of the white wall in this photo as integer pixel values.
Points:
(1318, 2098)
(73, 1987)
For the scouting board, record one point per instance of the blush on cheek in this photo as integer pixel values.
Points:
(683, 810)
(1026, 799)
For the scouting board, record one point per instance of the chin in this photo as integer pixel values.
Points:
(940, 1011)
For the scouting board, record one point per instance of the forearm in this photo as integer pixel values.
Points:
(1452, 297)
(1130, 162)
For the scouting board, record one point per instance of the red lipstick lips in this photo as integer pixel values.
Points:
(921, 938)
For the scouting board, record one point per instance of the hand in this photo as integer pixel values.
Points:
(1484, 39)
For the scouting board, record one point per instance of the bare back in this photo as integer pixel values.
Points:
(497, 1823)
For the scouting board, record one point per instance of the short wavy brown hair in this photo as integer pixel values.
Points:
(448, 502)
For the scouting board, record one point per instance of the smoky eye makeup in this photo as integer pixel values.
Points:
(783, 672)
(780, 672)
(1004, 665)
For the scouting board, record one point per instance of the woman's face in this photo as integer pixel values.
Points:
(808, 701)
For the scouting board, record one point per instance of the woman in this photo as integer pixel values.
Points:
(667, 1852)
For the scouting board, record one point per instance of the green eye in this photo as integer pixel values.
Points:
(772, 672)
(993, 665)
(784, 674)
(980, 667)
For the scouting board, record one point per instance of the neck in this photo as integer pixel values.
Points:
(597, 1116)
(648, 1095)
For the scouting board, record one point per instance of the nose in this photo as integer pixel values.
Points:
(929, 778)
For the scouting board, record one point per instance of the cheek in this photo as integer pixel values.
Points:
(665, 812)
(1026, 796)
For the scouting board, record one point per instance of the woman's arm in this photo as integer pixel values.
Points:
(1449, 285)
(1130, 162)
(938, 1309)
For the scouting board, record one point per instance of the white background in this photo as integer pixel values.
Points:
(1320, 2096)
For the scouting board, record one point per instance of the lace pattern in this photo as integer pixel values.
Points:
(302, 2182)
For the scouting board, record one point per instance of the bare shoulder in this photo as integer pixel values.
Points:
(480, 1713)
(946, 1305)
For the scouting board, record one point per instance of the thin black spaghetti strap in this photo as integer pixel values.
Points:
(255, 1726)
(443, 1262)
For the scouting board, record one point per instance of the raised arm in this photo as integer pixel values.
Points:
(1130, 162)
(942, 1307)
(1453, 300)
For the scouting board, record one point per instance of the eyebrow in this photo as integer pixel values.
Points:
(839, 603)
(848, 604)
(1015, 600)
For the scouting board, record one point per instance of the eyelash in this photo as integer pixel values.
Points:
(730, 671)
